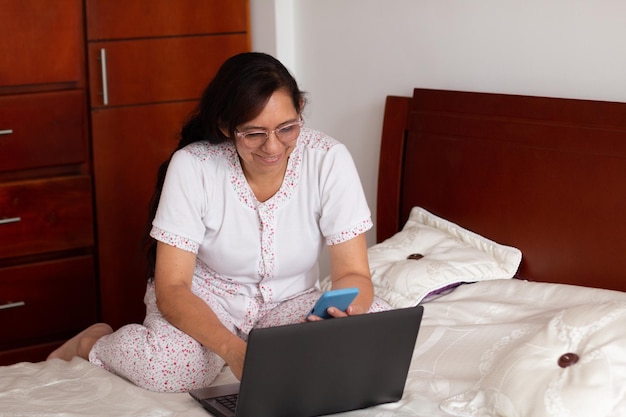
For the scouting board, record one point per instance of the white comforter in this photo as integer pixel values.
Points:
(465, 342)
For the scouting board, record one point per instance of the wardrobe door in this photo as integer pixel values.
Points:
(107, 19)
(144, 71)
(129, 144)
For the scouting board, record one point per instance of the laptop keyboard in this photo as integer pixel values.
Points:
(228, 401)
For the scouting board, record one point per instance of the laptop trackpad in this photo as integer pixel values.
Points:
(215, 391)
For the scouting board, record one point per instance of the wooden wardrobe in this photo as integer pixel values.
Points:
(94, 96)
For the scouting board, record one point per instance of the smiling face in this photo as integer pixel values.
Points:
(269, 159)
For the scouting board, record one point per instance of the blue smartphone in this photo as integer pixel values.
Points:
(340, 299)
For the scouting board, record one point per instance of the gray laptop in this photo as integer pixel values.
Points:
(319, 368)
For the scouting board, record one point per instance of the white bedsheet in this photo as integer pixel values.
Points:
(458, 330)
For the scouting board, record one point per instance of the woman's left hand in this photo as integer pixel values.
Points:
(352, 310)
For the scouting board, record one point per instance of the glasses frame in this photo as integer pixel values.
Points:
(243, 135)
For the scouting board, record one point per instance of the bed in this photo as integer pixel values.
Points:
(503, 216)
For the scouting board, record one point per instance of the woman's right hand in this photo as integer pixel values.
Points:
(187, 312)
(235, 355)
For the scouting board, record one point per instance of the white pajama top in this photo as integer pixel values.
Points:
(250, 252)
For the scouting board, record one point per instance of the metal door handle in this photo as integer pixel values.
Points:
(12, 305)
(105, 84)
(10, 220)
(6, 132)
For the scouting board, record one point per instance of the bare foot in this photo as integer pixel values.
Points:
(81, 344)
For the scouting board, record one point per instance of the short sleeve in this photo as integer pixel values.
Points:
(178, 220)
(345, 212)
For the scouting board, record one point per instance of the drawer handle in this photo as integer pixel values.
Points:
(105, 83)
(6, 132)
(10, 220)
(12, 305)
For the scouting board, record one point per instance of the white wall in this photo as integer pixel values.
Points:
(349, 54)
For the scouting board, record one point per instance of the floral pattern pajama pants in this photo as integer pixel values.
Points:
(159, 357)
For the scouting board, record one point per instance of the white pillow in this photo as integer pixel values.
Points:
(574, 366)
(451, 256)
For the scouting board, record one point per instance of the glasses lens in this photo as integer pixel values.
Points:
(252, 139)
(289, 132)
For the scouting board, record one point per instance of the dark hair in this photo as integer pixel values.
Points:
(237, 94)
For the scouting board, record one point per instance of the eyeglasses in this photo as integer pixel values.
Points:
(285, 134)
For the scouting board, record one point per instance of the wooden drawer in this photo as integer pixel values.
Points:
(41, 42)
(164, 69)
(108, 19)
(40, 130)
(45, 215)
(46, 301)
(30, 353)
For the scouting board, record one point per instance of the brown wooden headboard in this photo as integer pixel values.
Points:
(545, 175)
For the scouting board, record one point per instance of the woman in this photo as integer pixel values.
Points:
(248, 201)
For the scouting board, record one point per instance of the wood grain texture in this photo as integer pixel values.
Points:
(545, 175)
